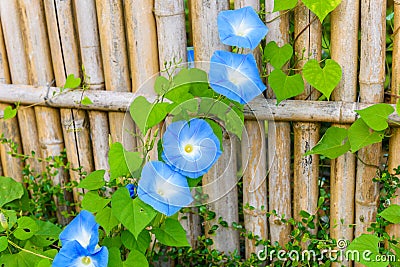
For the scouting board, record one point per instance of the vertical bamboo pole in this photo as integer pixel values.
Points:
(278, 141)
(254, 162)
(89, 40)
(224, 196)
(344, 37)
(394, 141)
(41, 73)
(19, 75)
(172, 46)
(142, 41)
(307, 31)
(372, 78)
(65, 55)
(11, 166)
(110, 18)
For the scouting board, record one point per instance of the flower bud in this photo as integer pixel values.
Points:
(3, 221)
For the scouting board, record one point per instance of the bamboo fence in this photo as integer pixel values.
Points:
(123, 44)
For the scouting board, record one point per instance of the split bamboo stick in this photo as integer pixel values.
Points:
(307, 32)
(19, 75)
(11, 166)
(171, 36)
(41, 73)
(344, 37)
(142, 41)
(394, 141)
(278, 141)
(65, 57)
(110, 18)
(371, 78)
(254, 162)
(89, 41)
(222, 197)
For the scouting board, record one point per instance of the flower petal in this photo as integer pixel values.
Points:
(196, 135)
(163, 189)
(241, 27)
(84, 229)
(72, 253)
(235, 76)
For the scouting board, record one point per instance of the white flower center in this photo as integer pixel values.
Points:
(242, 30)
(235, 77)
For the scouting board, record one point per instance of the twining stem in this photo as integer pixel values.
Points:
(28, 251)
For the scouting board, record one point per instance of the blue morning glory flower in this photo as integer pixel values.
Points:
(79, 244)
(132, 189)
(235, 76)
(241, 27)
(73, 254)
(162, 188)
(84, 229)
(190, 148)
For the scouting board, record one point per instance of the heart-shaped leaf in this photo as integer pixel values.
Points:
(391, 213)
(134, 214)
(72, 82)
(398, 107)
(321, 8)
(285, 86)
(278, 56)
(9, 113)
(284, 4)
(324, 80)
(360, 135)
(376, 116)
(366, 245)
(333, 144)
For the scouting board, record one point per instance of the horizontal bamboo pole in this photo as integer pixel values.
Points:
(259, 108)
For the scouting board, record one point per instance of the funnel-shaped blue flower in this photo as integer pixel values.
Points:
(235, 76)
(79, 244)
(84, 229)
(242, 28)
(190, 148)
(163, 189)
(72, 254)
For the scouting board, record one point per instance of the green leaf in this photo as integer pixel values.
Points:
(369, 245)
(321, 8)
(278, 56)
(324, 80)
(391, 214)
(122, 162)
(376, 116)
(146, 114)
(43, 263)
(106, 219)
(333, 144)
(134, 214)
(171, 233)
(11, 216)
(72, 82)
(285, 86)
(86, 101)
(398, 107)
(360, 135)
(93, 181)
(21, 259)
(141, 243)
(114, 257)
(27, 227)
(136, 259)
(397, 253)
(93, 202)
(161, 85)
(284, 5)
(9, 190)
(234, 123)
(217, 130)
(195, 80)
(3, 243)
(9, 113)
(46, 235)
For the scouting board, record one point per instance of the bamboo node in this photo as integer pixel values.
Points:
(161, 14)
(397, 2)
(254, 213)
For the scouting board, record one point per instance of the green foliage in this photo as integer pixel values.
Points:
(360, 135)
(367, 245)
(9, 190)
(285, 86)
(171, 234)
(86, 101)
(9, 112)
(333, 144)
(72, 82)
(122, 163)
(284, 4)
(277, 56)
(376, 116)
(93, 181)
(391, 213)
(323, 79)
